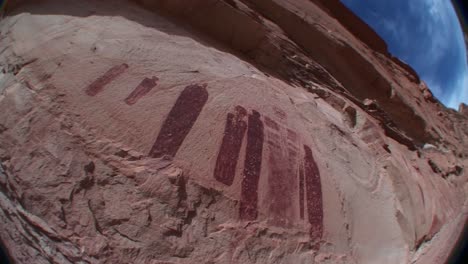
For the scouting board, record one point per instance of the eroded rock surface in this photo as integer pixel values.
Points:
(219, 132)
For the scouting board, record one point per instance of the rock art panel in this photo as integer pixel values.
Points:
(180, 121)
(314, 194)
(141, 90)
(63, 165)
(229, 151)
(252, 168)
(98, 85)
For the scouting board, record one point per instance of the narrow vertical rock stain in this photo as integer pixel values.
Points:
(180, 121)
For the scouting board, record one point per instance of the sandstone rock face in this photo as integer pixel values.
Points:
(463, 109)
(230, 131)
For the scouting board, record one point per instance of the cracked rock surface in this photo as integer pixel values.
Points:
(220, 131)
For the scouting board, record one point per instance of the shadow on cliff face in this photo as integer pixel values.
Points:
(3, 255)
(460, 253)
(275, 39)
(167, 22)
(127, 9)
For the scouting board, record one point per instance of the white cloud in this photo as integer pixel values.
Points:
(438, 26)
(460, 94)
(438, 9)
(443, 27)
(435, 87)
(427, 34)
(392, 27)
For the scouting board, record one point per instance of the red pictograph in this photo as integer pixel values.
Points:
(314, 194)
(252, 168)
(98, 85)
(180, 121)
(229, 151)
(141, 90)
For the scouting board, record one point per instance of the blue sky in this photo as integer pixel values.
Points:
(425, 34)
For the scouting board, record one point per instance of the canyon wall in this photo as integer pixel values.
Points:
(220, 131)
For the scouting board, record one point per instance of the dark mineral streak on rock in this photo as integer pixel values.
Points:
(314, 194)
(98, 85)
(252, 168)
(234, 131)
(141, 90)
(180, 121)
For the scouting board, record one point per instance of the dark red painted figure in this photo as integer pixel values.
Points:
(280, 186)
(314, 194)
(225, 168)
(141, 90)
(98, 85)
(301, 192)
(180, 121)
(252, 168)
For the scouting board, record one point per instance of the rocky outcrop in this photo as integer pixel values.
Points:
(219, 132)
(463, 109)
(294, 31)
(353, 24)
